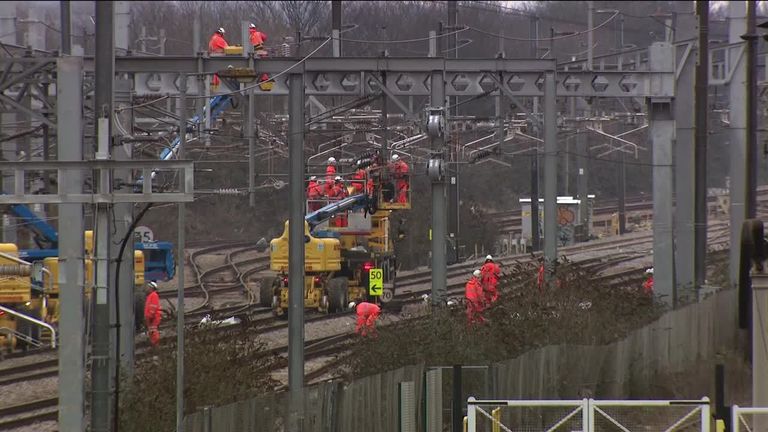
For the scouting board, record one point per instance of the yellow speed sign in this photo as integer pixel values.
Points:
(375, 282)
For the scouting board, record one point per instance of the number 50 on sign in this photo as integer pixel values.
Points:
(375, 282)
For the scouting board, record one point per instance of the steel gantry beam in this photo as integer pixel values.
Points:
(405, 76)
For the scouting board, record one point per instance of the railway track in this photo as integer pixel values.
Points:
(233, 273)
(29, 413)
(334, 346)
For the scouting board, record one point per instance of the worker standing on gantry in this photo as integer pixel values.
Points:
(399, 170)
(216, 46)
(475, 299)
(257, 39)
(367, 314)
(490, 274)
(152, 313)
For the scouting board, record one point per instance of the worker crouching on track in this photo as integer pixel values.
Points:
(367, 314)
(152, 313)
(490, 273)
(475, 299)
(648, 284)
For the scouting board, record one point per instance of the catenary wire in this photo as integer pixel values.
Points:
(575, 34)
(404, 40)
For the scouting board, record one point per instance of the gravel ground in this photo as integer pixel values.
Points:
(20, 361)
(14, 394)
(49, 426)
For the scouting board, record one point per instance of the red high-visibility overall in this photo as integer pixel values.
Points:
(490, 279)
(367, 314)
(152, 315)
(216, 45)
(400, 172)
(475, 301)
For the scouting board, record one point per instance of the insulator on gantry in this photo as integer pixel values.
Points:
(227, 191)
(286, 49)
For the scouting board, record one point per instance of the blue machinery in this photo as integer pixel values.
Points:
(158, 256)
(354, 202)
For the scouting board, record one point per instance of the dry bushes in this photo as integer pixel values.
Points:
(577, 310)
(220, 368)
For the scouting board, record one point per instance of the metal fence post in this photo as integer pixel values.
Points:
(471, 415)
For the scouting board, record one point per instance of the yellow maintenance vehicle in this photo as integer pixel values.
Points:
(31, 290)
(348, 252)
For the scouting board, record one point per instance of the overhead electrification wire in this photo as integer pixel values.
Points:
(143, 104)
(575, 34)
(404, 40)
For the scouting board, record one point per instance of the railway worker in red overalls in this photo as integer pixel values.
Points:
(152, 313)
(540, 275)
(338, 191)
(216, 45)
(648, 284)
(399, 170)
(490, 273)
(257, 39)
(330, 170)
(358, 180)
(475, 299)
(367, 314)
(314, 194)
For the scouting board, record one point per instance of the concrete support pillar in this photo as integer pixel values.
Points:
(35, 34)
(662, 127)
(122, 26)
(684, 154)
(71, 250)
(737, 26)
(439, 201)
(296, 251)
(662, 132)
(550, 173)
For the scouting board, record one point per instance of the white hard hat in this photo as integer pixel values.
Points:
(152, 284)
(476, 273)
(351, 305)
(331, 159)
(650, 270)
(220, 30)
(313, 178)
(338, 178)
(395, 157)
(252, 25)
(489, 258)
